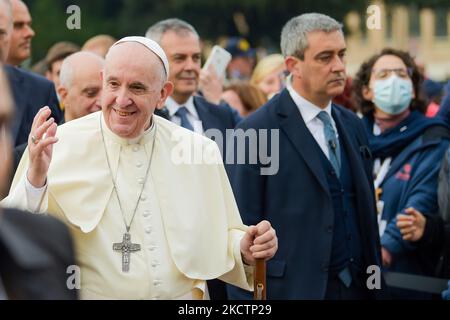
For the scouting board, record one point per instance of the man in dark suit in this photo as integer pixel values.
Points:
(35, 250)
(181, 44)
(22, 34)
(321, 198)
(30, 92)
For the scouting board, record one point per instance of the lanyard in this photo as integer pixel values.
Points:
(382, 171)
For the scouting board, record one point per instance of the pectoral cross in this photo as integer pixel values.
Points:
(126, 246)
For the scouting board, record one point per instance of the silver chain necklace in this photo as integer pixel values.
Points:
(126, 246)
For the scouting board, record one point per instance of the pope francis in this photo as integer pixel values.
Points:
(145, 225)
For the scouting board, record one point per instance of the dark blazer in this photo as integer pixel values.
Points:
(35, 252)
(297, 202)
(30, 92)
(219, 117)
(214, 116)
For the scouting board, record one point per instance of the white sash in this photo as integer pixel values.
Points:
(381, 170)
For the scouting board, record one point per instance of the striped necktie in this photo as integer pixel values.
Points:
(334, 149)
(182, 112)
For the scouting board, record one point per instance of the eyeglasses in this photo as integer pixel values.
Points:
(386, 73)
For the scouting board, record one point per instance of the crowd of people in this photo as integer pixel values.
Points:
(88, 174)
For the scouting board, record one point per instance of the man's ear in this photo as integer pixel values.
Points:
(48, 75)
(166, 92)
(62, 92)
(293, 65)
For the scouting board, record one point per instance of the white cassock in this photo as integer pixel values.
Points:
(187, 222)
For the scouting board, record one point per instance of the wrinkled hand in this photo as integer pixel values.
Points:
(386, 257)
(40, 147)
(411, 224)
(259, 242)
(211, 85)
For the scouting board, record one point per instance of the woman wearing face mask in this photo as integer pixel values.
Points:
(407, 148)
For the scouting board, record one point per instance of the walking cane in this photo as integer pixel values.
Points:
(260, 288)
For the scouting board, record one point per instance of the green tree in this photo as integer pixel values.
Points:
(212, 18)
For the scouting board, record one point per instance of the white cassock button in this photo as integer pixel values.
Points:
(146, 213)
(143, 197)
(141, 180)
(152, 248)
(154, 263)
(139, 164)
(148, 230)
(136, 148)
(157, 282)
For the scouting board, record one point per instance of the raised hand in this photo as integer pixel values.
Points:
(211, 85)
(40, 147)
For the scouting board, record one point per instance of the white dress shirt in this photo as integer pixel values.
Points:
(309, 113)
(192, 115)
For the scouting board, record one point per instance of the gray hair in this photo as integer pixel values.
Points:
(294, 36)
(180, 27)
(68, 66)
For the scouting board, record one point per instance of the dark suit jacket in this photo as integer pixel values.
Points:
(30, 92)
(18, 154)
(219, 117)
(297, 202)
(35, 252)
(214, 116)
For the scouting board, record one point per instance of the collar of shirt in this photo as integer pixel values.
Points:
(173, 107)
(308, 110)
(309, 113)
(145, 138)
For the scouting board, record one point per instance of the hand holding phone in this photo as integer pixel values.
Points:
(219, 59)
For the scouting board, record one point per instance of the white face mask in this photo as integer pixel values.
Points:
(393, 95)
